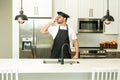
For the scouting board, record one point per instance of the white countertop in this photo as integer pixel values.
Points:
(37, 65)
(112, 50)
(108, 50)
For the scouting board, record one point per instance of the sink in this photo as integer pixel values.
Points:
(58, 62)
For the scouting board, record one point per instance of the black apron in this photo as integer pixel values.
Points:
(60, 39)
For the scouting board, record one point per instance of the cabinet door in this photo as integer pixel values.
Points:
(90, 8)
(84, 8)
(44, 8)
(97, 8)
(72, 10)
(113, 8)
(37, 8)
(113, 54)
(118, 54)
(28, 7)
(58, 7)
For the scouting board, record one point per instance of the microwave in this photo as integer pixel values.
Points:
(90, 25)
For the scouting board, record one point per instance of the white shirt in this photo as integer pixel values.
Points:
(53, 30)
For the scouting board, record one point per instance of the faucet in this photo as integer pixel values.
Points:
(62, 57)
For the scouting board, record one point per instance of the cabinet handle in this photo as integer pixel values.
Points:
(114, 54)
(35, 10)
(92, 12)
(89, 12)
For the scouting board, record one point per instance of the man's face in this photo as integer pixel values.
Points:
(60, 19)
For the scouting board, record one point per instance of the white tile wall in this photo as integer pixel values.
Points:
(118, 40)
(93, 39)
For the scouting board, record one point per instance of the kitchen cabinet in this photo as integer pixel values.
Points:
(37, 8)
(70, 7)
(113, 54)
(113, 8)
(57, 6)
(72, 10)
(90, 8)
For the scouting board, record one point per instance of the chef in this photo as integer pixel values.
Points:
(62, 34)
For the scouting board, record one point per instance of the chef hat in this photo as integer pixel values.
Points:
(63, 14)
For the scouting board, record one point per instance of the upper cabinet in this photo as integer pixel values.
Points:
(113, 8)
(59, 5)
(72, 10)
(37, 8)
(90, 8)
(70, 7)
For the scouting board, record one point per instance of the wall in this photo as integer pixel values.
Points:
(119, 29)
(94, 39)
(118, 41)
(5, 28)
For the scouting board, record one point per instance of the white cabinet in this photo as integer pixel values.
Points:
(97, 8)
(59, 5)
(72, 10)
(84, 8)
(37, 8)
(113, 8)
(70, 7)
(90, 8)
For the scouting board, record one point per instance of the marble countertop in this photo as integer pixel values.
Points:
(52, 66)
(108, 50)
(112, 50)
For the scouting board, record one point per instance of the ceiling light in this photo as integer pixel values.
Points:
(108, 18)
(21, 17)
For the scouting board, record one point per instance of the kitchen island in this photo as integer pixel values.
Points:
(30, 69)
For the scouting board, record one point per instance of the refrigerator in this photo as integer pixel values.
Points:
(32, 43)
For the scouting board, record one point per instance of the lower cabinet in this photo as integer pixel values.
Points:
(113, 54)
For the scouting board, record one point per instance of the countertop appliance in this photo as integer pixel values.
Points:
(94, 53)
(90, 25)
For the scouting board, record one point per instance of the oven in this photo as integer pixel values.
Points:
(93, 54)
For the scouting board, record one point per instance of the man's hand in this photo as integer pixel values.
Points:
(75, 42)
(44, 29)
(76, 56)
(54, 20)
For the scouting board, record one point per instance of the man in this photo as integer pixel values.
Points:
(62, 34)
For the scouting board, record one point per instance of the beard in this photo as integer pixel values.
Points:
(59, 22)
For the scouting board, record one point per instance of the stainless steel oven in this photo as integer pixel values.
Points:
(90, 25)
(93, 54)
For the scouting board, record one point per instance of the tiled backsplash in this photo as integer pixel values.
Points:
(85, 39)
(94, 39)
(118, 40)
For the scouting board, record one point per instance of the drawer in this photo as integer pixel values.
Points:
(113, 54)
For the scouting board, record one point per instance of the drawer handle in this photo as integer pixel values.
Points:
(113, 54)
